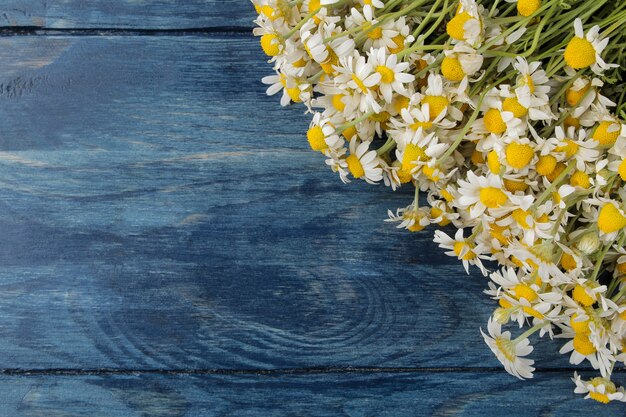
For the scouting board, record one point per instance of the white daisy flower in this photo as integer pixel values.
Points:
(484, 193)
(599, 389)
(359, 76)
(412, 218)
(322, 136)
(584, 51)
(582, 347)
(392, 73)
(467, 24)
(363, 163)
(469, 252)
(378, 34)
(509, 352)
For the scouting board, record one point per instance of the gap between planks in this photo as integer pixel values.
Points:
(201, 31)
(270, 372)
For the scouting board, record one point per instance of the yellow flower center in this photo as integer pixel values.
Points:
(520, 216)
(581, 326)
(447, 195)
(546, 164)
(477, 157)
(413, 215)
(622, 315)
(493, 162)
(507, 348)
(607, 133)
(582, 297)
(621, 268)
(519, 155)
(528, 7)
(573, 97)
(375, 33)
(412, 154)
(386, 74)
(355, 167)
(316, 138)
(609, 388)
(423, 125)
(270, 12)
(458, 249)
(381, 117)
(404, 175)
(621, 170)
(400, 102)
(294, 94)
(610, 219)
(583, 345)
(579, 53)
(494, 122)
(430, 172)
(349, 132)
(332, 60)
(314, 5)
(436, 105)
(492, 197)
(359, 83)
(512, 104)
(399, 41)
(568, 262)
(570, 148)
(580, 179)
(571, 121)
(338, 102)
(524, 291)
(514, 186)
(435, 212)
(455, 27)
(497, 232)
(451, 69)
(270, 44)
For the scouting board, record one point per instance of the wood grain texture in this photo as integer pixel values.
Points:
(158, 211)
(328, 395)
(127, 14)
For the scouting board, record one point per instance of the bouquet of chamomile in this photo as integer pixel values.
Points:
(508, 117)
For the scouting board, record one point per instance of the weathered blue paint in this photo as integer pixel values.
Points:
(126, 14)
(159, 212)
(323, 395)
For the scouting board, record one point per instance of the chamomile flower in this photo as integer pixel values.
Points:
(378, 34)
(483, 194)
(599, 389)
(359, 76)
(393, 76)
(466, 25)
(322, 136)
(412, 218)
(584, 50)
(583, 347)
(509, 352)
(363, 163)
(469, 252)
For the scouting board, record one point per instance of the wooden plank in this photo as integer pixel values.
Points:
(159, 211)
(381, 395)
(127, 14)
(22, 13)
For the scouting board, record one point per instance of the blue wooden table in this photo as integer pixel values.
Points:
(170, 247)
